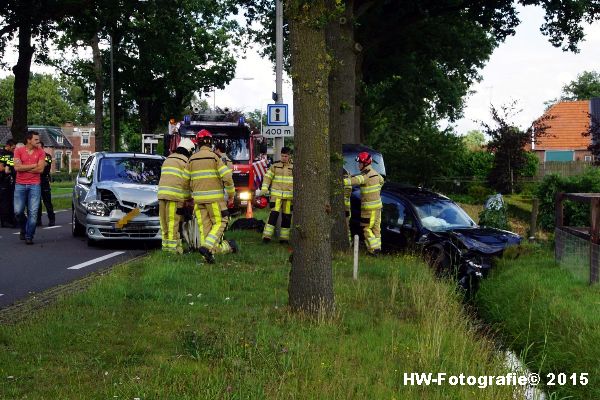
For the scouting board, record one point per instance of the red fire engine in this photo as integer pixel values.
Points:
(242, 147)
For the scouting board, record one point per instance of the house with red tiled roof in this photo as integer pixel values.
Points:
(564, 139)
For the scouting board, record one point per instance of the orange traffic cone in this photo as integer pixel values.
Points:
(249, 213)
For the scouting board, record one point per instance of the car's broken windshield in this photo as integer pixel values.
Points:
(441, 215)
(143, 171)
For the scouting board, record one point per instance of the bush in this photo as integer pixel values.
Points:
(575, 214)
(479, 192)
(495, 214)
(63, 176)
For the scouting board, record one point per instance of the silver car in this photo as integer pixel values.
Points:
(115, 197)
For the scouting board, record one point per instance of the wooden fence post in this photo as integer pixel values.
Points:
(594, 238)
(533, 221)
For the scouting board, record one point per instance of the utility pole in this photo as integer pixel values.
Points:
(112, 98)
(278, 142)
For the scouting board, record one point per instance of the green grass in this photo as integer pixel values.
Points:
(548, 316)
(171, 327)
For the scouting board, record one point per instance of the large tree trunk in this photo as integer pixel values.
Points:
(342, 89)
(21, 71)
(311, 282)
(98, 93)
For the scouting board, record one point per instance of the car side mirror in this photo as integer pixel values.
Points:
(82, 180)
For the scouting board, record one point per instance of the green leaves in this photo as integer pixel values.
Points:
(50, 101)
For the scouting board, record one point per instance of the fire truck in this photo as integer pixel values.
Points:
(242, 147)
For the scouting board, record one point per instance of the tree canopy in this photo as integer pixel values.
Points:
(52, 101)
(586, 86)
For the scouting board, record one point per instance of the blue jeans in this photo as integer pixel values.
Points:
(27, 195)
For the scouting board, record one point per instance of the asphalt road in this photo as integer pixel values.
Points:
(55, 258)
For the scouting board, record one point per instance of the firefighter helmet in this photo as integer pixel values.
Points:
(203, 133)
(364, 157)
(187, 144)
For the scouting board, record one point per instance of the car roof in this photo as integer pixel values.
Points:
(111, 154)
(412, 192)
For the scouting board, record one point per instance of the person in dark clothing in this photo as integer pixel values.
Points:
(7, 185)
(46, 192)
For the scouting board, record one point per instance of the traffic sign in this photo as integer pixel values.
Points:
(277, 114)
(273, 132)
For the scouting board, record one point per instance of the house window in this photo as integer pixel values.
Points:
(83, 156)
(59, 139)
(58, 160)
(85, 138)
(560, 155)
(587, 158)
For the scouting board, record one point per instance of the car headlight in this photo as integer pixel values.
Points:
(245, 196)
(97, 207)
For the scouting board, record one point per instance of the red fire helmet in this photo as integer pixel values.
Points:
(364, 157)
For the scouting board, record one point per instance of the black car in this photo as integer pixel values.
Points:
(433, 225)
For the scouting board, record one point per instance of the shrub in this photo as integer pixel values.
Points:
(479, 192)
(575, 214)
(64, 176)
(495, 214)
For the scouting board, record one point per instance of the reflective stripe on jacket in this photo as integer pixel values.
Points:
(350, 181)
(280, 178)
(174, 184)
(209, 176)
(370, 189)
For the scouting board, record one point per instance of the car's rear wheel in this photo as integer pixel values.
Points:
(77, 229)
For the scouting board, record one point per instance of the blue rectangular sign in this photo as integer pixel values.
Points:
(277, 115)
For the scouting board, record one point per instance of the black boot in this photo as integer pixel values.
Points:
(208, 256)
(52, 222)
(234, 246)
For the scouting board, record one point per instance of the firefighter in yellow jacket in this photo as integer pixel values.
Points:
(281, 181)
(173, 191)
(209, 176)
(370, 201)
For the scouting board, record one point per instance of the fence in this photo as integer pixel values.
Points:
(578, 248)
(561, 168)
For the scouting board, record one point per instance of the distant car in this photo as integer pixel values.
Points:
(350, 151)
(113, 188)
(433, 225)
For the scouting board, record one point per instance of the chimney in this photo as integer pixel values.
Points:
(9, 122)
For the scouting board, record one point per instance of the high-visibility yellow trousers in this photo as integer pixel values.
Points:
(212, 220)
(370, 220)
(284, 206)
(169, 225)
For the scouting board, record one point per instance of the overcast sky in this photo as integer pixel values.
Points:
(525, 68)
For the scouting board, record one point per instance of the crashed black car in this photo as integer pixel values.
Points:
(431, 224)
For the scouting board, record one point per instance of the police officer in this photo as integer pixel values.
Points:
(209, 176)
(173, 191)
(280, 180)
(46, 197)
(370, 202)
(7, 185)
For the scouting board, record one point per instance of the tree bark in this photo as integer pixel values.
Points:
(342, 99)
(98, 93)
(21, 85)
(311, 283)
